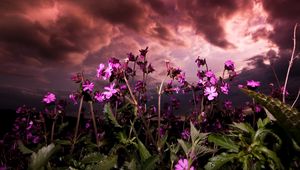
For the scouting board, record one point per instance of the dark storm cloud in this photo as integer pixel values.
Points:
(129, 13)
(207, 17)
(283, 15)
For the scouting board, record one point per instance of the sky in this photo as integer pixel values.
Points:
(44, 42)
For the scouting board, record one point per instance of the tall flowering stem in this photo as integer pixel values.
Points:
(94, 121)
(53, 124)
(159, 112)
(290, 65)
(131, 93)
(77, 124)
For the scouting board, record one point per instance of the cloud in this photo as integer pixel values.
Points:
(208, 18)
(283, 15)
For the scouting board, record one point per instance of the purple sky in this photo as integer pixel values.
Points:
(42, 43)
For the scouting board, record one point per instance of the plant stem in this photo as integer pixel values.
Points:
(94, 121)
(296, 98)
(77, 124)
(159, 110)
(290, 65)
(53, 124)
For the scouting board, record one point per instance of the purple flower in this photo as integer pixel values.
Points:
(87, 125)
(253, 84)
(228, 105)
(229, 65)
(150, 69)
(30, 125)
(209, 74)
(181, 78)
(100, 70)
(131, 57)
(202, 82)
(257, 109)
(225, 88)
(88, 86)
(107, 72)
(185, 134)
(210, 92)
(73, 97)
(36, 139)
(99, 97)
(213, 80)
(183, 164)
(49, 97)
(110, 91)
(200, 62)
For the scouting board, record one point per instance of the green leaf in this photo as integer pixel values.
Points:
(150, 163)
(23, 148)
(184, 146)
(63, 142)
(218, 161)
(194, 132)
(131, 165)
(144, 153)
(286, 116)
(272, 155)
(224, 142)
(244, 127)
(105, 164)
(110, 116)
(40, 159)
(92, 158)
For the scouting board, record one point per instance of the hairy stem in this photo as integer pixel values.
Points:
(77, 124)
(53, 124)
(296, 99)
(94, 121)
(290, 65)
(159, 112)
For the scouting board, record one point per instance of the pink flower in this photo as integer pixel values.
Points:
(88, 86)
(100, 70)
(49, 97)
(202, 82)
(213, 80)
(210, 92)
(110, 91)
(108, 73)
(253, 84)
(229, 65)
(73, 97)
(183, 164)
(99, 97)
(209, 74)
(185, 134)
(225, 88)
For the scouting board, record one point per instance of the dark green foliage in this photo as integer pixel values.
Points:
(287, 117)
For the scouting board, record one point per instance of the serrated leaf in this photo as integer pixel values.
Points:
(144, 153)
(224, 142)
(218, 161)
(286, 116)
(131, 165)
(272, 155)
(40, 159)
(194, 132)
(150, 163)
(184, 146)
(23, 148)
(244, 127)
(110, 116)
